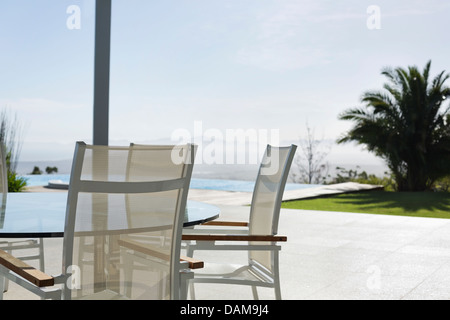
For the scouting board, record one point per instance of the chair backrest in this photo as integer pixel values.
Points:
(105, 182)
(268, 193)
(269, 188)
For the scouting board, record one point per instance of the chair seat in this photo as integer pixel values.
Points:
(228, 273)
(18, 244)
(105, 295)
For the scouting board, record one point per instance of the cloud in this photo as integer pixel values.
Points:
(283, 39)
(291, 35)
(281, 56)
(413, 8)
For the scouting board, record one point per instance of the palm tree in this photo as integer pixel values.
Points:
(406, 125)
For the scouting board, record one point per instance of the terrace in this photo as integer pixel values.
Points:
(328, 255)
(331, 255)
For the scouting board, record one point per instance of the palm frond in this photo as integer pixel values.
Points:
(406, 124)
(356, 114)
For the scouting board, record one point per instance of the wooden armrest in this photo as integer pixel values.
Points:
(226, 223)
(133, 245)
(193, 263)
(232, 237)
(26, 271)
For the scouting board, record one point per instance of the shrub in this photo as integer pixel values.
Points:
(16, 183)
(50, 170)
(442, 184)
(36, 170)
(345, 175)
(10, 138)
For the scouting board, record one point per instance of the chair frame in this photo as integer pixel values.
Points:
(10, 246)
(212, 235)
(38, 282)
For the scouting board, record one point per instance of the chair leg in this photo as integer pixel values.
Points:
(183, 287)
(185, 281)
(128, 274)
(255, 293)
(277, 291)
(5, 281)
(5, 284)
(189, 251)
(2, 286)
(276, 277)
(41, 254)
(192, 290)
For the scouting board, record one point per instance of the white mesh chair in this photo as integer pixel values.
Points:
(25, 247)
(258, 236)
(105, 181)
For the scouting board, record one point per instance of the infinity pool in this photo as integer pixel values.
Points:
(209, 184)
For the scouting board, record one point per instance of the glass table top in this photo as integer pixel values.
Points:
(42, 214)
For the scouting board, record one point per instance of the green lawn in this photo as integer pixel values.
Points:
(416, 204)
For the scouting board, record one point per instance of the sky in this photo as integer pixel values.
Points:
(231, 64)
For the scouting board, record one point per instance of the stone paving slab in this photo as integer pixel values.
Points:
(331, 255)
(334, 255)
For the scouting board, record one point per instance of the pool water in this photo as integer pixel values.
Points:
(209, 184)
(43, 179)
(237, 185)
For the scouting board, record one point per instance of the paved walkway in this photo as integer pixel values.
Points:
(351, 256)
(333, 255)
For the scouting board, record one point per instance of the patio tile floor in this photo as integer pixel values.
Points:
(335, 255)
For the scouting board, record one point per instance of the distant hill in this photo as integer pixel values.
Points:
(204, 171)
